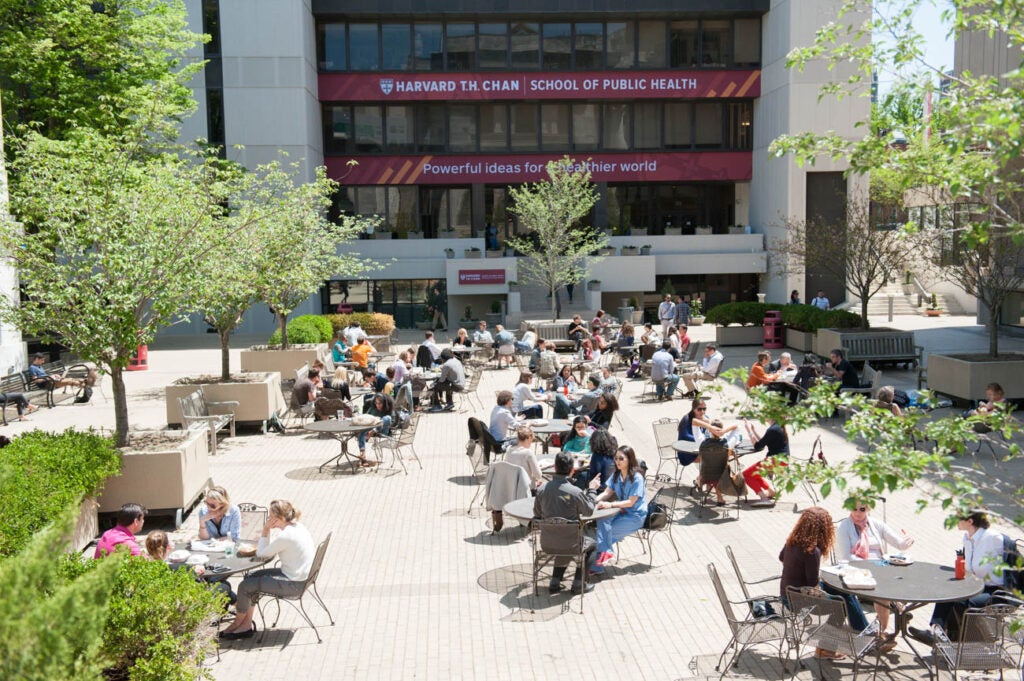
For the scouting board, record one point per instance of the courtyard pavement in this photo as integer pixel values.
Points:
(421, 589)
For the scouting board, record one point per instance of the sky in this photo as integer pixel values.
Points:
(927, 20)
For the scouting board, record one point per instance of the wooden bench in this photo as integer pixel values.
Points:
(199, 413)
(878, 348)
(557, 333)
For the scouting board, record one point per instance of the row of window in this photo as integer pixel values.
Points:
(535, 127)
(434, 210)
(524, 45)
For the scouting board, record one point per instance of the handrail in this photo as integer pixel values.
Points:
(922, 292)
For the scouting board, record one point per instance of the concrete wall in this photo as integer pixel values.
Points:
(12, 350)
(194, 127)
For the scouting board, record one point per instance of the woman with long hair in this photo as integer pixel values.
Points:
(626, 491)
(602, 461)
(383, 407)
(521, 393)
(218, 517)
(564, 378)
(776, 441)
(577, 440)
(607, 405)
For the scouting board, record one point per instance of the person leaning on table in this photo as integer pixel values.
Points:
(288, 539)
(218, 517)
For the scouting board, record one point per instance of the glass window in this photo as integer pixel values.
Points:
(747, 43)
(493, 46)
(683, 40)
(709, 125)
(462, 127)
(715, 43)
(525, 46)
(369, 130)
(371, 201)
(338, 129)
(495, 199)
(395, 44)
(460, 44)
(620, 45)
(399, 122)
(740, 125)
(584, 127)
(588, 46)
(617, 125)
(332, 47)
(523, 124)
(678, 125)
(458, 205)
(493, 127)
(651, 41)
(426, 41)
(557, 47)
(430, 127)
(365, 52)
(402, 209)
(554, 127)
(647, 125)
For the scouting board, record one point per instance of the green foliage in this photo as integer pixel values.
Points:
(496, 306)
(373, 323)
(322, 324)
(158, 624)
(799, 317)
(695, 308)
(301, 330)
(53, 608)
(42, 473)
(743, 313)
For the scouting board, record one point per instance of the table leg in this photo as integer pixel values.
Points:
(902, 618)
(336, 460)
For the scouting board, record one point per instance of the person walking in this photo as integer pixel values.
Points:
(666, 314)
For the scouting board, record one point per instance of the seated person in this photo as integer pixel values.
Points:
(776, 441)
(695, 426)
(339, 350)
(684, 338)
(602, 461)
(609, 383)
(784, 367)
(130, 519)
(597, 340)
(218, 517)
(583, 404)
(20, 403)
(158, 547)
(663, 372)
(482, 335)
(577, 440)
(401, 367)
(44, 380)
(626, 491)
(604, 410)
(564, 381)
(503, 422)
(996, 401)
(428, 342)
(522, 393)
(383, 407)
(534, 363)
(577, 331)
(338, 381)
(353, 334)
(463, 339)
(708, 369)
(625, 341)
(304, 392)
(547, 362)
(559, 498)
(650, 335)
(842, 370)
(361, 353)
(884, 400)
(674, 346)
(758, 376)
(521, 454)
(526, 344)
(600, 320)
(452, 379)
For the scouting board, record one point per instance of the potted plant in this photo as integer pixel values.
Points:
(471, 252)
(606, 251)
(510, 252)
(594, 285)
(737, 229)
(383, 233)
(696, 313)
(933, 307)
(494, 316)
(672, 231)
(629, 250)
(467, 316)
(415, 235)
(449, 233)
(449, 253)
(703, 229)
(645, 249)
(638, 312)
(638, 231)
(495, 253)
(513, 286)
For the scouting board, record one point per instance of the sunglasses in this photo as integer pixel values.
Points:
(620, 458)
(701, 409)
(862, 509)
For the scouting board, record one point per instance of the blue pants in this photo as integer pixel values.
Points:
(385, 428)
(562, 407)
(533, 412)
(601, 466)
(670, 382)
(942, 611)
(854, 611)
(611, 530)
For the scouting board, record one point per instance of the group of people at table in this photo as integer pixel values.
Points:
(282, 536)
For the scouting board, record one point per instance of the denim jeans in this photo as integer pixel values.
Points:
(854, 611)
(384, 429)
(670, 382)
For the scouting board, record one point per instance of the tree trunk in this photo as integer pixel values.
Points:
(863, 311)
(993, 331)
(554, 303)
(282, 324)
(120, 405)
(225, 355)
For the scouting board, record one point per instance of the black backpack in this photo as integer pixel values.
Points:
(657, 516)
(84, 395)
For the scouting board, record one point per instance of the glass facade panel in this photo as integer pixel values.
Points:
(369, 129)
(493, 127)
(525, 45)
(588, 46)
(523, 124)
(557, 47)
(647, 125)
(462, 128)
(740, 126)
(709, 125)
(617, 125)
(401, 209)
(493, 46)
(620, 45)
(461, 215)
(715, 43)
(396, 47)
(460, 45)
(430, 127)
(365, 47)
(652, 50)
(333, 56)
(337, 129)
(584, 127)
(747, 42)
(554, 127)
(371, 201)
(678, 125)
(683, 39)
(399, 128)
(427, 47)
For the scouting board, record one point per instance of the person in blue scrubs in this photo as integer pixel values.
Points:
(626, 491)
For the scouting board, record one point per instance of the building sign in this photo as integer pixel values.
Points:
(735, 166)
(664, 84)
(470, 277)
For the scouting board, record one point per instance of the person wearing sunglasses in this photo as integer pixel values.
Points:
(626, 491)
(861, 537)
(696, 427)
(218, 517)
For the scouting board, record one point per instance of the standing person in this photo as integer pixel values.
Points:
(794, 297)
(288, 539)
(663, 372)
(569, 288)
(218, 517)
(130, 519)
(776, 441)
(682, 313)
(627, 492)
(491, 233)
(440, 320)
(666, 314)
(559, 498)
(820, 301)
(521, 393)
(452, 379)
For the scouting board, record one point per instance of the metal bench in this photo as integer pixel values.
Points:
(897, 348)
(14, 383)
(198, 413)
(46, 388)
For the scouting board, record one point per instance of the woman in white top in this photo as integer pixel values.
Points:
(861, 537)
(285, 537)
(521, 393)
(522, 455)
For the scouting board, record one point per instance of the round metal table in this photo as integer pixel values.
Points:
(548, 429)
(522, 509)
(341, 430)
(233, 564)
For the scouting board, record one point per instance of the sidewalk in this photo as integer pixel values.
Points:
(419, 588)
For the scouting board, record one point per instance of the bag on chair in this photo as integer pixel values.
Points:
(84, 395)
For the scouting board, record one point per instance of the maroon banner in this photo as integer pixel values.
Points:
(469, 277)
(664, 84)
(464, 169)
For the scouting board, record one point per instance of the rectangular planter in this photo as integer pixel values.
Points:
(495, 254)
(799, 340)
(257, 401)
(739, 335)
(673, 231)
(284, 362)
(967, 380)
(472, 254)
(87, 527)
(170, 480)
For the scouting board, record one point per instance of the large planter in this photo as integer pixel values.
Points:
(673, 231)
(493, 318)
(469, 253)
(415, 235)
(284, 362)
(257, 401)
(630, 250)
(382, 235)
(696, 320)
(87, 526)
(495, 254)
(799, 340)
(170, 480)
(965, 377)
(638, 316)
(739, 335)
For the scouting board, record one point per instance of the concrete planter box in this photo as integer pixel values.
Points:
(696, 321)
(966, 380)
(800, 340)
(673, 231)
(285, 362)
(257, 401)
(496, 254)
(415, 235)
(739, 335)
(593, 286)
(472, 254)
(87, 527)
(630, 250)
(382, 235)
(169, 480)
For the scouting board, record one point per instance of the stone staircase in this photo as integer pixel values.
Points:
(903, 304)
(535, 300)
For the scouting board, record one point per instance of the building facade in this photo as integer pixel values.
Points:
(445, 105)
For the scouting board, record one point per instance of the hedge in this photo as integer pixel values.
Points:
(310, 328)
(373, 323)
(798, 317)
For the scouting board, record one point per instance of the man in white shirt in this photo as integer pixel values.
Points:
(428, 341)
(482, 335)
(353, 334)
(708, 369)
(666, 314)
(821, 302)
(503, 421)
(663, 373)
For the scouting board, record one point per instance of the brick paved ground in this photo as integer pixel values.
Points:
(421, 589)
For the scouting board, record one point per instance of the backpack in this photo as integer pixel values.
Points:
(84, 395)
(900, 398)
(634, 370)
(1013, 573)
(657, 517)
(274, 424)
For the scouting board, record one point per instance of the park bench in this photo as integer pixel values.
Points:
(557, 333)
(13, 383)
(883, 347)
(45, 390)
(200, 413)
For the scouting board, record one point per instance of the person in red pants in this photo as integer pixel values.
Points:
(776, 441)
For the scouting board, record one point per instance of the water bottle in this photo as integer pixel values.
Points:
(565, 388)
(229, 549)
(540, 391)
(960, 567)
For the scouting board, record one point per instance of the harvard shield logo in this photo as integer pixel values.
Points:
(387, 85)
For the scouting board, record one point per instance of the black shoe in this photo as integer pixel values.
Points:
(554, 586)
(577, 588)
(436, 409)
(235, 635)
(921, 635)
(449, 407)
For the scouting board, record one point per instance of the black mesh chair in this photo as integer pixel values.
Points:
(560, 541)
(308, 585)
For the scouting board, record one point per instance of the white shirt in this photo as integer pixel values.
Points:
(529, 338)
(525, 459)
(520, 394)
(482, 336)
(821, 302)
(666, 311)
(983, 553)
(294, 546)
(435, 351)
(502, 421)
(353, 334)
(400, 371)
(710, 364)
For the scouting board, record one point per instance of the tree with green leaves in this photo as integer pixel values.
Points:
(557, 247)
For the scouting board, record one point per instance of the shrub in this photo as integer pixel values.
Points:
(301, 330)
(322, 325)
(373, 323)
(42, 473)
(842, 319)
(809, 319)
(745, 313)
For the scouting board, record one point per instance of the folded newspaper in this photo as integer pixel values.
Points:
(855, 578)
(210, 545)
